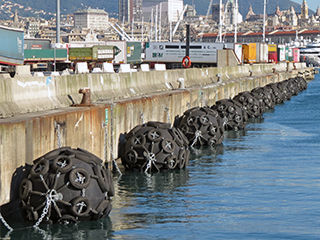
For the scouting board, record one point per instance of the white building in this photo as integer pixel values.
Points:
(170, 10)
(91, 19)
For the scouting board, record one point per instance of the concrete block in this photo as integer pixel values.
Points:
(23, 71)
(160, 67)
(38, 74)
(55, 74)
(145, 67)
(124, 68)
(82, 67)
(65, 72)
(96, 70)
(107, 67)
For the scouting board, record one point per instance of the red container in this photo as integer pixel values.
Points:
(273, 57)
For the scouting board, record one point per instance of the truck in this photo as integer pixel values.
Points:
(129, 52)
(11, 49)
(44, 59)
(94, 55)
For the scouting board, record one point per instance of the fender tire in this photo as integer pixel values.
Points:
(165, 146)
(45, 168)
(25, 189)
(102, 178)
(73, 176)
(171, 162)
(141, 142)
(57, 167)
(74, 208)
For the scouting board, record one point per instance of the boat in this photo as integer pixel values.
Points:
(311, 53)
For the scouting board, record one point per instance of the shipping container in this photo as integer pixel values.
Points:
(37, 43)
(11, 47)
(249, 52)
(134, 51)
(281, 53)
(35, 55)
(272, 53)
(100, 53)
(263, 48)
(296, 55)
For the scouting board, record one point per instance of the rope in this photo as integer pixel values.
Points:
(197, 135)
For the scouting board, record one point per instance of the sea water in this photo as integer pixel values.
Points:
(262, 183)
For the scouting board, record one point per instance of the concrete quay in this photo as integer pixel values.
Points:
(36, 116)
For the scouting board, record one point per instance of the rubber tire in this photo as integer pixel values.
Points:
(65, 169)
(25, 189)
(73, 177)
(74, 209)
(43, 171)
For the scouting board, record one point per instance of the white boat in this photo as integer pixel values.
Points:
(311, 53)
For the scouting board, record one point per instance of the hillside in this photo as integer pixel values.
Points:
(47, 9)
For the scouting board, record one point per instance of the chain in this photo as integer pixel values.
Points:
(168, 114)
(142, 117)
(197, 135)
(58, 135)
(83, 192)
(111, 151)
(44, 212)
(151, 158)
(5, 223)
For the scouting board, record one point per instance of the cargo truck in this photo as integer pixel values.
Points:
(44, 59)
(94, 55)
(11, 49)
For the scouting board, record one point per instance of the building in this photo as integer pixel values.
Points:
(130, 10)
(96, 19)
(168, 10)
(277, 37)
(229, 13)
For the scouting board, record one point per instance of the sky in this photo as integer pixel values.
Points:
(312, 4)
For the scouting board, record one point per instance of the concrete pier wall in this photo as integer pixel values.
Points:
(37, 116)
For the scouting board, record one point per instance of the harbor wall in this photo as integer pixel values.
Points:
(37, 117)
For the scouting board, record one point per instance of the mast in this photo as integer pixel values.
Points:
(160, 22)
(156, 22)
(58, 22)
(236, 23)
(264, 22)
(151, 25)
(220, 21)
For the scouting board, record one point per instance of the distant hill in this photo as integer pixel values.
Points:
(47, 9)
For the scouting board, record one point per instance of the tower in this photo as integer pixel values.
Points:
(304, 10)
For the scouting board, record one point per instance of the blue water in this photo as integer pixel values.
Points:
(263, 183)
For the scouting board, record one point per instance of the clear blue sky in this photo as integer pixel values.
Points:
(312, 4)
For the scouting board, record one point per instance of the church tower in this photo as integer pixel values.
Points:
(304, 10)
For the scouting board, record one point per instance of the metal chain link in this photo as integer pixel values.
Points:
(142, 117)
(168, 114)
(197, 135)
(111, 150)
(58, 135)
(44, 211)
(5, 223)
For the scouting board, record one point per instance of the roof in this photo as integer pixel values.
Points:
(89, 10)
